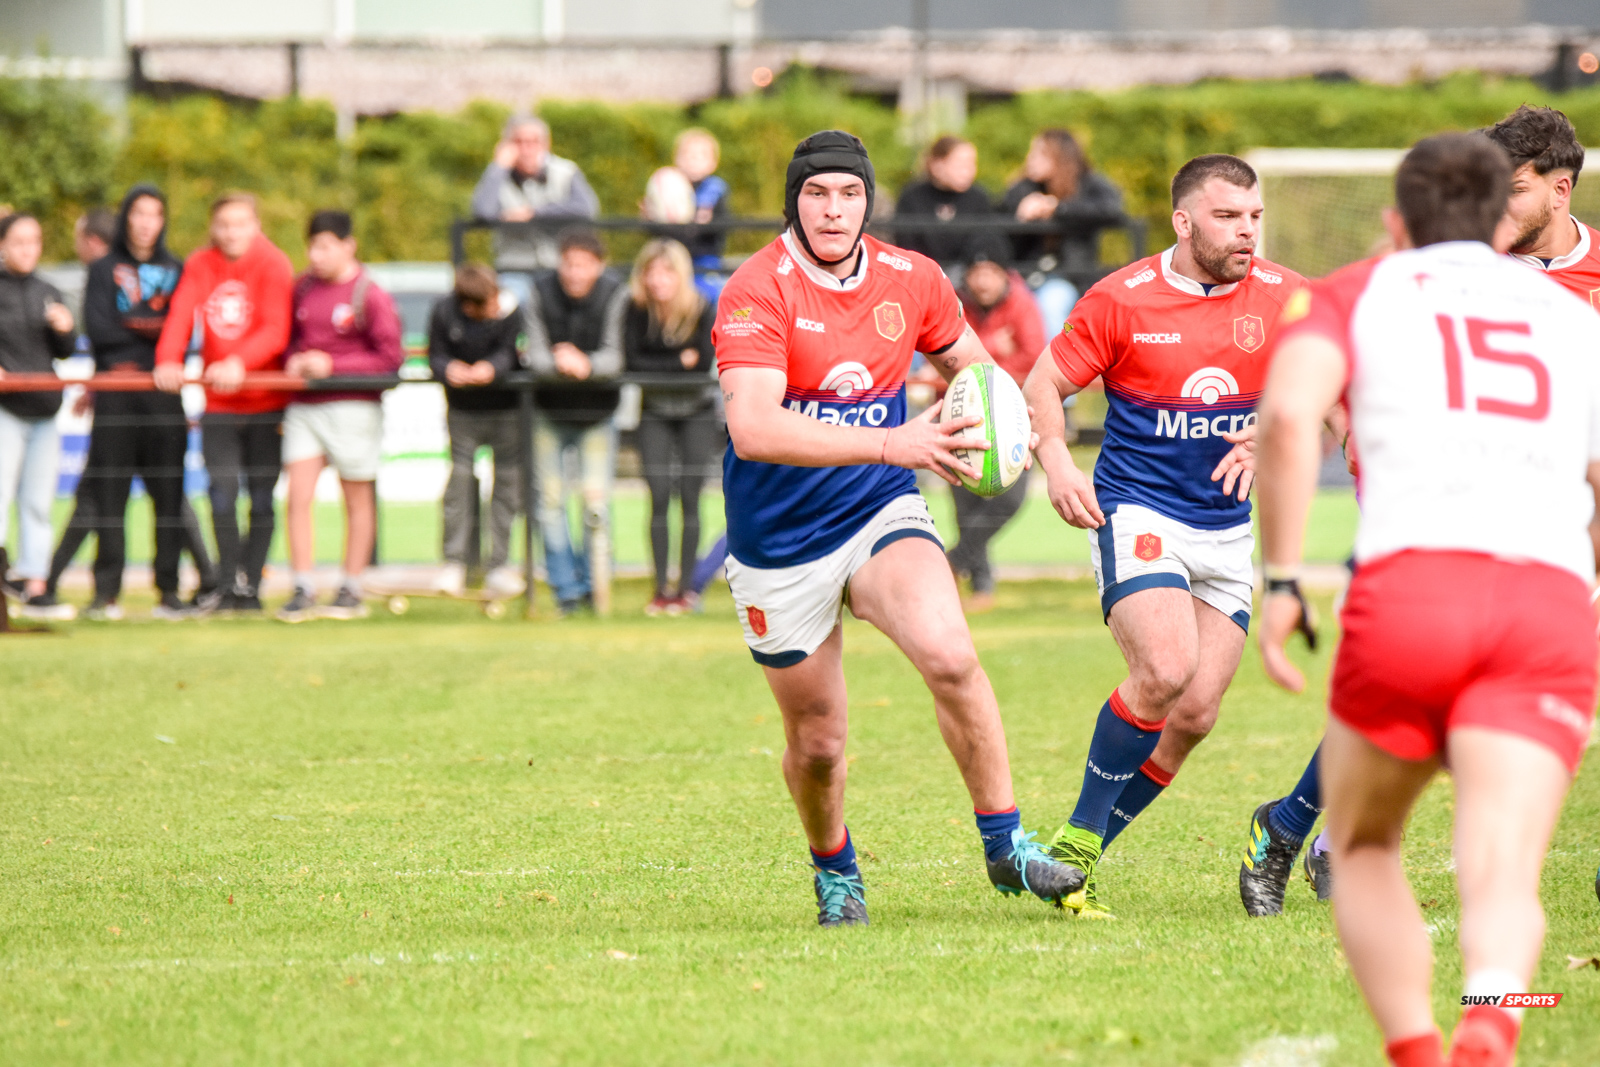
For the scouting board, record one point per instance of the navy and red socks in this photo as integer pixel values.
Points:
(995, 827)
(1137, 795)
(841, 860)
(1295, 815)
(1121, 744)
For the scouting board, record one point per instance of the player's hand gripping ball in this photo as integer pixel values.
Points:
(988, 392)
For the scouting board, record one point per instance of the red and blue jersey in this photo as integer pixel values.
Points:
(845, 346)
(1182, 365)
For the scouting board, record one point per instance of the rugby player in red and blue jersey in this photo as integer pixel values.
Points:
(814, 336)
(1180, 340)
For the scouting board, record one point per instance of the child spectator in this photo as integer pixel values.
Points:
(526, 181)
(575, 335)
(667, 331)
(1001, 311)
(946, 190)
(241, 286)
(1058, 184)
(36, 329)
(344, 324)
(93, 234)
(473, 337)
(697, 153)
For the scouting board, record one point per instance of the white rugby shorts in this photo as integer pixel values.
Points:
(1139, 548)
(348, 432)
(787, 612)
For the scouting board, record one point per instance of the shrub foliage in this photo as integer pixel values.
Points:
(405, 177)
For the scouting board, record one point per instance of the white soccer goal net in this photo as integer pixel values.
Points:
(1324, 205)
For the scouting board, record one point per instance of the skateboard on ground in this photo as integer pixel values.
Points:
(398, 598)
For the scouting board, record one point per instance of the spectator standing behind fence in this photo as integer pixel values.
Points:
(946, 190)
(525, 181)
(344, 324)
(93, 234)
(125, 305)
(697, 153)
(1058, 185)
(474, 336)
(36, 329)
(1001, 311)
(240, 287)
(667, 331)
(575, 334)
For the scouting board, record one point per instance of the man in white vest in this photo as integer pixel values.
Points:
(525, 181)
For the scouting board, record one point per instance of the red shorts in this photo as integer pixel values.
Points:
(1439, 640)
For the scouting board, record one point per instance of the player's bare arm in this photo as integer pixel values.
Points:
(1071, 492)
(1302, 385)
(762, 429)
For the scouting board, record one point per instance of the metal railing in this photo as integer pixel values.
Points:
(884, 227)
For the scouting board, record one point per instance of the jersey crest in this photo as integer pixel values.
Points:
(890, 320)
(1249, 333)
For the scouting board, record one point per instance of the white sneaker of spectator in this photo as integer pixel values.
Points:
(504, 581)
(451, 579)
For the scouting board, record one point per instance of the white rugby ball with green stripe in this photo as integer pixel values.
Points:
(988, 392)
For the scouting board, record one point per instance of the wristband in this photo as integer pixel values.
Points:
(1281, 571)
(883, 456)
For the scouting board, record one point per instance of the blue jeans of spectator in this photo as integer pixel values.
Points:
(30, 455)
(574, 459)
(1055, 298)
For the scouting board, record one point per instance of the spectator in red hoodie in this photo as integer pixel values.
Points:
(239, 288)
(1001, 311)
(343, 325)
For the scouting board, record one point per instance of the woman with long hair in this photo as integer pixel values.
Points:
(667, 332)
(1058, 184)
(947, 188)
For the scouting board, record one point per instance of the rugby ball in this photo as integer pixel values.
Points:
(669, 197)
(991, 394)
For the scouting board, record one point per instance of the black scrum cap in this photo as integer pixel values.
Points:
(828, 152)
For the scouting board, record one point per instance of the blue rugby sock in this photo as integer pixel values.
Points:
(995, 828)
(1296, 814)
(1136, 796)
(841, 860)
(1120, 745)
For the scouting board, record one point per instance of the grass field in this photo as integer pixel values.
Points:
(1036, 538)
(439, 839)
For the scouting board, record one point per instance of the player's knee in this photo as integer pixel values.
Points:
(817, 754)
(950, 667)
(1163, 679)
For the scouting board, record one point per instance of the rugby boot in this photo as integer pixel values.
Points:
(1320, 873)
(1080, 849)
(1268, 861)
(1028, 868)
(1092, 907)
(841, 900)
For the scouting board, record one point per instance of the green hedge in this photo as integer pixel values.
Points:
(406, 176)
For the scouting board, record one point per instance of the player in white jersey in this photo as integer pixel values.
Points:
(1468, 634)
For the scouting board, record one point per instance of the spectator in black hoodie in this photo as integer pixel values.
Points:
(473, 342)
(667, 333)
(36, 329)
(104, 466)
(947, 190)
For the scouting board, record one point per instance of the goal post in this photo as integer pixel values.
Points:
(1324, 206)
